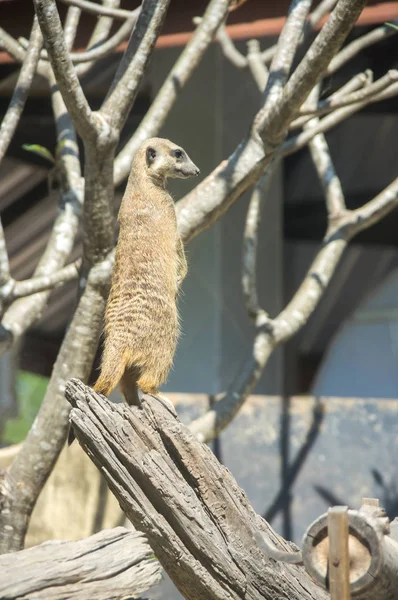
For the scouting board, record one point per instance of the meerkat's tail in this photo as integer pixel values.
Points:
(128, 384)
(113, 365)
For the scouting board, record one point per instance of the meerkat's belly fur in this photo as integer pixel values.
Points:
(141, 319)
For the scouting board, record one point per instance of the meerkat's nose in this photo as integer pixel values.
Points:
(197, 171)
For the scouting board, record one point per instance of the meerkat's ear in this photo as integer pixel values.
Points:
(150, 155)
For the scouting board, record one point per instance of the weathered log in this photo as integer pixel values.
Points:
(198, 521)
(373, 553)
(112, 564)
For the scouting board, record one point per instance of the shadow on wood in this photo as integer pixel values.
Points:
(198, 521)
(109, 565)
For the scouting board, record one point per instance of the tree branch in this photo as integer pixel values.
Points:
(270, 333)
(63, 69)
(34, 285)
(180, 73)
(345, 100)
(112, 564)
(352, 49)
(250, 243)
(25, 78)
(321, 157)
(99, 35)
(34, 462)
(282, 61)
(272, 125)
(124, 88)
(107, 47)
(356, 82)
(98, 9)
(215, 194)
(24, 312)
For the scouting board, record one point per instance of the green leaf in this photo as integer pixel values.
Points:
(393, 25)
(40, 150)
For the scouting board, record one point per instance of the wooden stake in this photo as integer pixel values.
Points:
(339, 562)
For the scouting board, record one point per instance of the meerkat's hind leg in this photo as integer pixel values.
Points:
(129, 387)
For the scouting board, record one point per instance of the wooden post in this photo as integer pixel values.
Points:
(339, 561)
(373, 552)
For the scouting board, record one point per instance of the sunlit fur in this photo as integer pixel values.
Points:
(141, 320)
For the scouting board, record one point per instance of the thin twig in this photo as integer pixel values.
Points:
(180, 73)
(250, 244)
(229, 49)
(62, 66)
(257, 68)
(321, 157)
(334, 102)
(297, 142)
(99, 36)
(71, 25)
(102, 50)
(282, 61)
(356, 82)
(21, 91)
(34, 285)
(12, 117)
(352, 49)
(98, 9)
(124, 88)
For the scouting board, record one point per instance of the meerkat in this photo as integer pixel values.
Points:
(141, 318)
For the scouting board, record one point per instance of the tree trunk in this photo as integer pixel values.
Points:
(108, 565)
(198, 521)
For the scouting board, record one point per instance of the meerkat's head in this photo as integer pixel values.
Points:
(164, 159)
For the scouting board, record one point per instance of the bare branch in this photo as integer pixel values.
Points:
(25, 78)
(331, 120)
(189, 59)
(11, 120)
(229, 49)
(34, 462)
(250, 243)
(24, 312)
(103, 49)
(98, 9)
(258, 69)
(272, 124)
(271, 332)
(282, 61)
(321, 157)
(4, 264)
(11, 45)
(107, 47)
(71, 25)
(356, 82)
(63, 69)
(213, 196)
(374, 210)
(345, 100)
(99, 35)
(34, 285)
(352, 49)
(321, 11)
(315, 17)
(327, 175)
(124, 88)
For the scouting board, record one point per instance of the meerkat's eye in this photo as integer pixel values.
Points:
(150, 155)
(178, 154)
